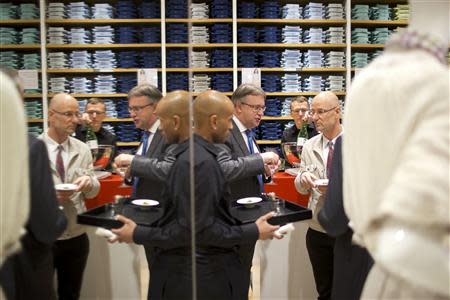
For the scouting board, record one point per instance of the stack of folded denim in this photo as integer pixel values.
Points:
(102, 11)
(291, 82)
(122, 108)
(247, 34)
(109, 127)
(127, 35)
(57, 60)
(110, 108)
(200, 83)
(9, 36)
(126, 132)
(31, 61)
(292, 11)
(273, 107)
(360, 36)
(313, 59)
(10, 59)
(270, 130)
(177, 33)
(247, 58)
(82, 104)
(35, 130)
(78, 10)
(220, 9)
(361, 12)
(28, 11)
(150, 58)
(126, 9)
(8, 11)
(80, 60)
(269, 34)
(313, 83)
(314, 36)
(199, 35)
(380, 12)
(150, 9)
(270, 82)
(291, 59)
(79, 36)
(59, 85)
(335, 59)
(128, 59)
(150, 34)
(335, 83)
(334, 11)
(125, 82)
(81, 85)
(103, 35)
(56, 10)
(379, 36)
(286, 107)
(221, 33)
(176, 9)
(177, 81)
(269, 59)
(314, 11)
(360, 59)
(105, 84)
(33, 109)
(222, 82)
(105, 59)
(29, 36)
(247, 10)
(199, 11)
(221, 58)
(335, 35)
(401, 12)
(177, 58)
(56, 35)
(269, 9)
(291, 34)
(200, 59)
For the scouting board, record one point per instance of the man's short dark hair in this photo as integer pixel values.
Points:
(96, 101)
(299, 99)
(245, 90)
(147, 90)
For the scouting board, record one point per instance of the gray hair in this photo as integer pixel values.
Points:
(147, 90)
(245, 90)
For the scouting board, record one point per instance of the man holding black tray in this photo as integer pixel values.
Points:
(220, 274)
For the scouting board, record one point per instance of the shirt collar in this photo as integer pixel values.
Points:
(53, 145)
(154, 127)
(239, 124)
(325, 140)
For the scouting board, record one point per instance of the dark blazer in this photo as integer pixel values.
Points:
(32, 268)
(351, 262)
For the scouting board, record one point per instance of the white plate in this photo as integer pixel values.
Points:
(249, 200)
(292, 171)
(321, 182)
(145, 202)
(66, 187)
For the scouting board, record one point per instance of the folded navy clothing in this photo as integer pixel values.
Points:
(270, 34)
(149, 9)
(177, 58)
(150, 58)
(150, 34)
(176, 9)
(177, 81)
(222, 82)
(247, 58)
(177, 33)
(125, 82)
(269, 58)
(221, 33)
(221, 58)
(270, 10)
(126, 9)
(247, 10)
(221, 9)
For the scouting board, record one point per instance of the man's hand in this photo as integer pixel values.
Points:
(123, 160)
(85, 119)
(307, 180)
(266, 231)
(63, 196)
(270, 158)
(124, 233)
(84, 183)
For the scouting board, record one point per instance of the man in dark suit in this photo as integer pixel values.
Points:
(351, 262)
(29, 273)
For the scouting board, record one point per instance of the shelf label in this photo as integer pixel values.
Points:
(252, 76)
(147, 76)
(30, 79)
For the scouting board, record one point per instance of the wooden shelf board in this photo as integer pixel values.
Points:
(268, 142)
(282, 45)
(95, 95)
(20, 47)
(199, 70)
(199, 21)
(282, 118)
(127, 144)
(118, 120)
(19, 22)
(30, 95)
(118, 70)
(377, 23)
(33, 120)
(211, 45)
(367, 46)
(301, 69)
(294, 21)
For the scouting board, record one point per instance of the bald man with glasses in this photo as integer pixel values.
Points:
(316, 158)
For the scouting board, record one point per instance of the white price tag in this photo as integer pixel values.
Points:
(252, 76)
(30, 79)
(147, 76)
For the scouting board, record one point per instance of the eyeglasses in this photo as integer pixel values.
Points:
(320, 111)
(92, 112)
(256, 108)
(68, 114)
(137, 109)
(302, 110)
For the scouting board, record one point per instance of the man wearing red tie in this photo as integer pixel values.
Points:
(316, 158)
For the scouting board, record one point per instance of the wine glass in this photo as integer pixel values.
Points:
(122, 172)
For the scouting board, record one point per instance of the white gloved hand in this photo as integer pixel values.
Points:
(285, 229)
(105, 233)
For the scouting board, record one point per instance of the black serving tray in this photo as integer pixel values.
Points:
(102, 216)
(290, 213)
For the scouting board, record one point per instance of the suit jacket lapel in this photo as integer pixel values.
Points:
(237, 135)
(157, 138)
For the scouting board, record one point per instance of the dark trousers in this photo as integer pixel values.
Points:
(320, 250)
(70, 257)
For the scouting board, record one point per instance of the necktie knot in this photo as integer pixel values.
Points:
(249, 133)
(330, 145)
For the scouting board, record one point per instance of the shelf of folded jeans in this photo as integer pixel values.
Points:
(377, 23)
(127, 144)
(280, 118)
(33, 120)
(32, 95)
(199, 69)
(117, 70)
(367, 46)
(283, 45)
(199, 21)
(100, 46)
(95, 95)
(294, 21)
(101, 21)
(300, 93)
(20, 47)
(268, 142)
(19, 22)
(221, 45)
(380, 2)
(118, 120)
(312, 70)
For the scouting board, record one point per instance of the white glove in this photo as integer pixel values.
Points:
(285, 229)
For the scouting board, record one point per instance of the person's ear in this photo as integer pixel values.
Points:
(176, 122)
(213, 120)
